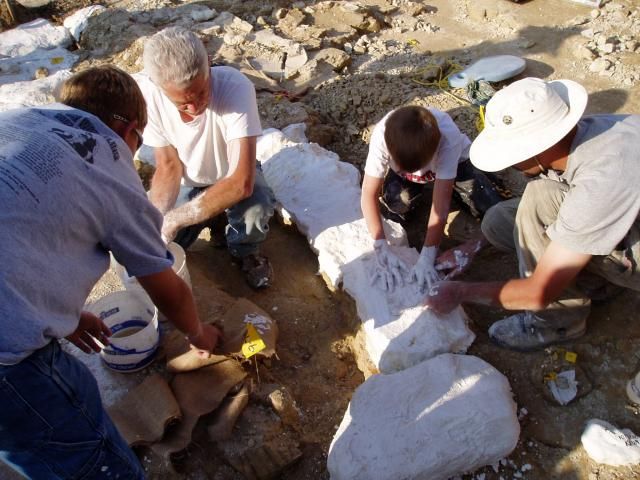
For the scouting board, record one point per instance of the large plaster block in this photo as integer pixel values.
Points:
(400, 332)
(321, 195)
(441, 418)
(33, 93)
(24, 68)
(78, 21)
(33, 35)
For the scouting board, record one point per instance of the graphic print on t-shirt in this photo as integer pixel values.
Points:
(83, 143)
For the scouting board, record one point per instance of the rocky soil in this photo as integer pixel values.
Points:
(348, 64)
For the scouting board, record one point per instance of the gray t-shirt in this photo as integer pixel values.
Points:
(603, 174)
(69, 194)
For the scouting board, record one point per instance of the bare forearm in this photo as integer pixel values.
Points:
(439, 213)
(165, 184)
(164, 192)
(435, 230)
(173, 297)
(371, 187)
(516, 294)
(371, 214)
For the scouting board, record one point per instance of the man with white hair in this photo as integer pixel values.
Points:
(203, 124)
(577, 223)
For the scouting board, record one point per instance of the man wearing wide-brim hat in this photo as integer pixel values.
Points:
(577, 219)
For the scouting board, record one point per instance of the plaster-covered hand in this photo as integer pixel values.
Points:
(390, 270)
(458, 259)
(444, 296)
(169, 228)
(90, 328)
(424, 271)
(205, 339)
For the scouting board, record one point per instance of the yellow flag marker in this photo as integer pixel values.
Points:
(252, 342)
(57, 60)
(571, 357)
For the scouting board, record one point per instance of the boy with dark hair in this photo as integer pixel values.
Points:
(410, 147)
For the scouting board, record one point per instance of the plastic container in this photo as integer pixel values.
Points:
(179, 266)
(633, 389)
(490, 69)
(133, 321)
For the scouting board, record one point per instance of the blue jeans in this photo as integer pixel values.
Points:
(52, 424)
(248, 220)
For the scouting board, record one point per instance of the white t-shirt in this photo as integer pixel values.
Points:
(453, 148)
(202, 143)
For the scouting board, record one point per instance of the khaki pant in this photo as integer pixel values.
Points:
(520, 224)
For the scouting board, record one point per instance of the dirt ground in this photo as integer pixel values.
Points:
(316, 349)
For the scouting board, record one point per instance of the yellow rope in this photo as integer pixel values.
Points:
(442, 83)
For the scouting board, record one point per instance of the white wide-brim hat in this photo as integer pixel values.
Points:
(525, 119)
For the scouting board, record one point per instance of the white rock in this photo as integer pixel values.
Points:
(270, 58)
(230, 23)
(203, 15)
(443, 417)
(588, 33)
(599, 65)
(34, 3)
(296, 132)
(609, 445)
(23, 68)
(608, 47)
(400, 332)
(30, 36)
(33, 93)
(77, 22)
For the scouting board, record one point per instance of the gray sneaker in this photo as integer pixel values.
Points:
(525, 332)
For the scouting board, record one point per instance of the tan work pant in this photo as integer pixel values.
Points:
(520, 224)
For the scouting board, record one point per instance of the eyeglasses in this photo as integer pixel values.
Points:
(542, 168)
(135, 130)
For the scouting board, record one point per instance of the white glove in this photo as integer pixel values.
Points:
(389, 270)
(424, 272)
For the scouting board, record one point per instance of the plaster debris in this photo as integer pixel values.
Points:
(400, 332)
(609, 445)
(262, 324)
(564, 387)
(458, 417)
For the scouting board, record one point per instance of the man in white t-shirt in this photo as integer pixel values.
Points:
(575, 225)
(411, 147)
(203, 124)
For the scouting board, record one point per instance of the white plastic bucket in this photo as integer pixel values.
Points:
(133, 321)
(180, 262)
(179, 266)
